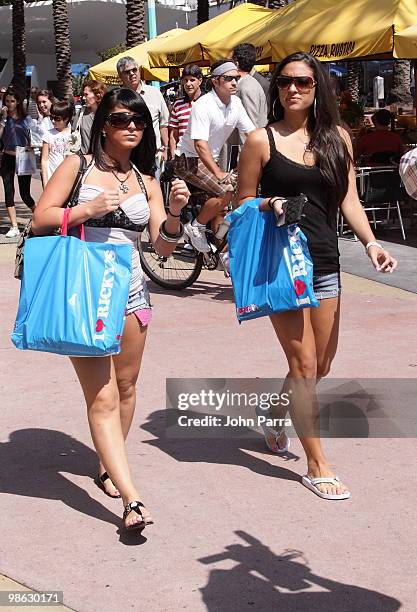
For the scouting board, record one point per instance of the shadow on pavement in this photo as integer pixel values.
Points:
(208, 290)
(224, 451)
(32, 461)
(264, 581)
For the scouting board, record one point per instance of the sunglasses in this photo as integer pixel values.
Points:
(130, 70)
(123, 120)
(302, 83)
(229, 78)
(56, 118)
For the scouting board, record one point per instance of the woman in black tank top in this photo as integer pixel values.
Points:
(304, 150)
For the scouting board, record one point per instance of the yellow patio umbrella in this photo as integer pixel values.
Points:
(258, 67)
(340, 30)
(107, 73)
(406, 42)
(216, 38)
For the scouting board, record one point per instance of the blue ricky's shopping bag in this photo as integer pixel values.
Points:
(73, 296)
(270, 267)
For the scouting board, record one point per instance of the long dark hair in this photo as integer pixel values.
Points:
(19, 102)
(326, 143)
(143, 156)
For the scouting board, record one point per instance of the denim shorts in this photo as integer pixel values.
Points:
(326, 285)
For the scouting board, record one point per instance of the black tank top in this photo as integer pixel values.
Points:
(283, 177)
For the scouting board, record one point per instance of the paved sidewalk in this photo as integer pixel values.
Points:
(9, 589)
(234, 529)
(22, 211)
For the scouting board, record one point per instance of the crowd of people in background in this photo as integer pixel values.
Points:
(55, 128)
(292, 142)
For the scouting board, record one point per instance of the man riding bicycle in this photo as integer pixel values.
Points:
(213, 118)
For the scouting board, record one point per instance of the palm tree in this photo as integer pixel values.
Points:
(401, 81)
(203, 11)
(135, 23)
(19, 47)
(353, 77)
(62, 49)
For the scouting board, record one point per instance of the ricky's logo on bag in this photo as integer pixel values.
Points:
(106, 290)
(296, 264)
(246, 309)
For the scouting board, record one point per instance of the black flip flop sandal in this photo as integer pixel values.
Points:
(100, 480)
(135, 506)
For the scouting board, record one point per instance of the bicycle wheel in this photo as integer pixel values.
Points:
(178, 271)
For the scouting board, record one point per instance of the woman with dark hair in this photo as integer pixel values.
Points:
(304, 150)
(191, 80)
(119, 196)
(14, 132)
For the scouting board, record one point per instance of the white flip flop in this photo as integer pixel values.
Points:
(273, 432)
(311, 483)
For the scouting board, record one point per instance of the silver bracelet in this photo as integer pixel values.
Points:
(170, 237)
(372, 243)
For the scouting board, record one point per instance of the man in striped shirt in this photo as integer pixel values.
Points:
(180, 114)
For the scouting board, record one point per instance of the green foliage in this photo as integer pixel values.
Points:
(106, 54)
(77, 84)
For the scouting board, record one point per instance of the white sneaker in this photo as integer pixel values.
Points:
(13, 233)
(188, 247)
(197, 237)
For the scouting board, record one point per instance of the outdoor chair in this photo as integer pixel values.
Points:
(379, 189)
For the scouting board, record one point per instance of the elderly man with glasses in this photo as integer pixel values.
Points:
(129, 73)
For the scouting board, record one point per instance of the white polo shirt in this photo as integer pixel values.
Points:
(213, 121)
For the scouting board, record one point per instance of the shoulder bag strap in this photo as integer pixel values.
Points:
(79, 118)
(141, 182)
(73, 197)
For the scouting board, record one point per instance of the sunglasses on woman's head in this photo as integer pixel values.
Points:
(123, 120)
(302, 83)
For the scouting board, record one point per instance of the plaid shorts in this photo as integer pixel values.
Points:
(192, 170)
(408, 172)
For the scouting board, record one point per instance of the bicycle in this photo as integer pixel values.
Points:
(183, 267)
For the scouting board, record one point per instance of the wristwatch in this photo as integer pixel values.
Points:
(372, 243)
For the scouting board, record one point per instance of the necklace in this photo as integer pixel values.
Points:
(123, 187)
(305, 144)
